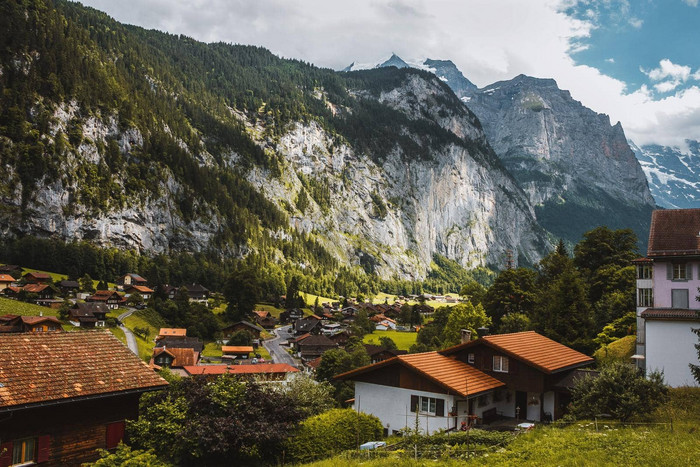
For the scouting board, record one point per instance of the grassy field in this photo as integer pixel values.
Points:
(211, 349)
(150, 320)
(119, 334)
(620, 350)
(15, 307)
(578, 444)
(274, 311)
(403, 340)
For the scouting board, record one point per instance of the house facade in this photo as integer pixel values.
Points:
(668, 279)
(520, 375)
(65, 395)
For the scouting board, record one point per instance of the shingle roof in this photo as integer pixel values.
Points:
(172, 332)
(262, 368)
(452, 374)
(178, 342)
(38, 275)
(44, 367)
(674, 232)
(535, 349)
(39, 319)
(35, 288)
(181, 357)
(318, 340)
(237, 349)
(671, 314)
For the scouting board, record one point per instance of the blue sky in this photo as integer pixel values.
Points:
(634, 60)
(631, 38)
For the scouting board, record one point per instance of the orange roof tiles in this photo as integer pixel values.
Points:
(237, 349)
(35, 288)
(140, 288)
(674, 232)
(448, 372)
(44, 367)
(262, 368)
(40, 319)
(179, 332)
(6, 278)
(535, 349)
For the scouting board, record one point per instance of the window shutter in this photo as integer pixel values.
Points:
(440, 407)
(669, 271)
(44, 449)
(688, 271)
(6, 454)
(414, 403)
(115, 433)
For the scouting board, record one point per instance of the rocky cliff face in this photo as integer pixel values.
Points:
(459, 203)
(673, 173)
(567, 158)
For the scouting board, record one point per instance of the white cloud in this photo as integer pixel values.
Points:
(610, 60)
(666, 86)
(668, 69)
(636, 23)
(487, 40)
(691, 2)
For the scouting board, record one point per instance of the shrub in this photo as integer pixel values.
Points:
(331, 432)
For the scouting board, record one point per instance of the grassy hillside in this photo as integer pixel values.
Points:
(403, 340)
(15, 307)
(619, 350)
(145, 319)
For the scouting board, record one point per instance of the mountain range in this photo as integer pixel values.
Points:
(158, 143)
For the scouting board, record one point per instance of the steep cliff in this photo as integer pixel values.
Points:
(576, 168)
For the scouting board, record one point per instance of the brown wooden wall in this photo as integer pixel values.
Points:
(76, 429)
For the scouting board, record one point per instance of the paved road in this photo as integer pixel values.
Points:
(280, 355)
(130, 338)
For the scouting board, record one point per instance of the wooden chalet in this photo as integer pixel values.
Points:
(22, 324)
(378, 353)
(65, 395)
(6, 280)
(520, 375)
(314, 346)
(111, 298)
(264, 319)
(291, 315)
(307, 325)
(131, 279)
(180, 342)
(174, 358)
(145, 292)
(88, 315)
(171, 332)
(250, 328)
(41, 290)
(68, 287)
(36, 278)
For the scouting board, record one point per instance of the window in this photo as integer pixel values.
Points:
(645, 297)
(679, 272)
(470, 358)
(500, 364)
(428, 405)
(679, 298)
(24, 451)
(644, 271)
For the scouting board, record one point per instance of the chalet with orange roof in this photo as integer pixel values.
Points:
(519, 375)
(65, 395)
(6, 280)
(16, 324)
(171, 332)
(145, 292)
(131, 279)
(174, 358)
(236, 351)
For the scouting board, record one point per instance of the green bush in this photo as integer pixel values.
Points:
(332, 432)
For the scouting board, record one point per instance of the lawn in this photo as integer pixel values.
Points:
(15, 307)
(403, 340)
(119, 334)
(150, 320)
(619, 350)
(274, 311)
(579, 444)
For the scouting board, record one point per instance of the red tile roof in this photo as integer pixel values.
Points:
(447, 372)
(535, 349)
(674, 314)
(6, 278)
(140, 288)
(674, 232)
(31, 320)
(43, 367)
(261, 368)
(35, 288)
(38, 275)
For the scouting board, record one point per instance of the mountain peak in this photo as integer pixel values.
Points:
(394, 60)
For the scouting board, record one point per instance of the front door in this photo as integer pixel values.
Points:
(520, 403)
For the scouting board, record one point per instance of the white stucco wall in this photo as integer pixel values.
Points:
(392, 406)
(533, 411)
(670, 347)
(549, 402)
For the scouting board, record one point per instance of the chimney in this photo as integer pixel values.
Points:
(483, 331)
(466, 336)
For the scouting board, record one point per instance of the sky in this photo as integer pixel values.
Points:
(636, 60)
